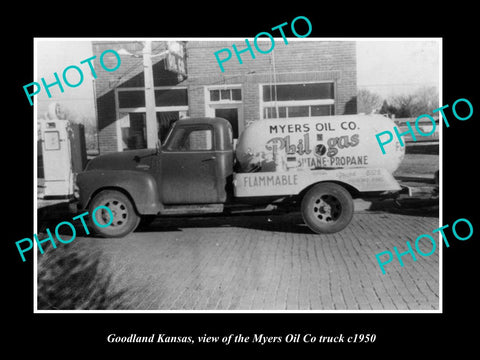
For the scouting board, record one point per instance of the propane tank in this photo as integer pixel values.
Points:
(327, 142)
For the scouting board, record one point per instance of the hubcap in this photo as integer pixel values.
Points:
(327, 208)
(119, 211)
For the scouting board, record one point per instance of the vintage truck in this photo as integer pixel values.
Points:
(317, 166)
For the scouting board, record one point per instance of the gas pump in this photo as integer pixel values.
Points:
(64, 155)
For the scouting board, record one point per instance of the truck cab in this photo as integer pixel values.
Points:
(191, 172)
(195, 163)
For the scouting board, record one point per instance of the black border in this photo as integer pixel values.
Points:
(403, 333)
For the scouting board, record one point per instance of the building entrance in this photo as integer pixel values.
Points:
(230, 114)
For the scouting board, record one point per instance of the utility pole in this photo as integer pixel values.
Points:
(151, 116)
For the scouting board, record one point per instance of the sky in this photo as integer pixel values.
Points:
(397, 67)
(55, 56)
(384, 67)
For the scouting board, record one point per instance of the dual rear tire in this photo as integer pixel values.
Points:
(327, 208)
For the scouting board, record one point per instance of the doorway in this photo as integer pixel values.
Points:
(230, 114)
(225, 101)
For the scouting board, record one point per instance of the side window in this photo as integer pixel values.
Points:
(191, 139)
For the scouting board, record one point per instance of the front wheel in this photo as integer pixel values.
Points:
(124, 219)
(327, 208)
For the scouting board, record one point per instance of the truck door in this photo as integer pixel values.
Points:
(189, 166)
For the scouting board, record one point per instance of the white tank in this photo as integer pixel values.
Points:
(343, 141)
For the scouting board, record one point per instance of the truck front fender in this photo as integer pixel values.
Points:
(141, 187)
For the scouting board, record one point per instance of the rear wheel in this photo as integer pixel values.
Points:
(120, 221)
(327, 208)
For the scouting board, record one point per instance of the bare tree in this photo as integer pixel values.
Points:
(368, 102)
(426, 100)
(403, 104)
(422, 101)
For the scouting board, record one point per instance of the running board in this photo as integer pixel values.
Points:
(192, 209)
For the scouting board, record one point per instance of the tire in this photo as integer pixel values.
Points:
(327, 208)
(125, 219)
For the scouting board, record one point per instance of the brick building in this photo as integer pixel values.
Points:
(120, 96)
(304, 78)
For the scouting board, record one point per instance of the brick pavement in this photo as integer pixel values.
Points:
(272, 262)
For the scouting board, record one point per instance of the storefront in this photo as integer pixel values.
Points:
(301, 79)
(121, 96)
(304, 79)
(171, 104)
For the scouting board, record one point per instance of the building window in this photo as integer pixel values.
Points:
(171, 104)
(297, 100)
(298, 111)
(133, 130)
(131, 99)
(225, 95)
(171, 97)
(306, 91)
(165, 121)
